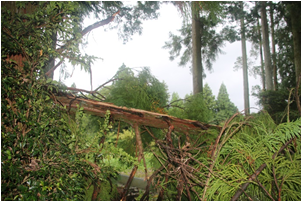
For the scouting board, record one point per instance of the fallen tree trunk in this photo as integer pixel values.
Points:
(130, 115)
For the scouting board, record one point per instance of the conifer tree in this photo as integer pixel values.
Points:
(225, 108)
(209, 100)
(176, 106)
(201, 42)
(267, 54)
(195, 108)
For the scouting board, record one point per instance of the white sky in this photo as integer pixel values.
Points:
(146, 50)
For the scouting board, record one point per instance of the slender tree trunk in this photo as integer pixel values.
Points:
(244, 66)
(267, 55)
(261, 57)
(295, 15)
(273, 46)
(196, 49)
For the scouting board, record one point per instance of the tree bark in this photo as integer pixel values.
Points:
(261, 57)
(273, 46)
(295, 15)
(127, 185)
(267, 55)
(244, 66)
(128, 115)
(196, 50)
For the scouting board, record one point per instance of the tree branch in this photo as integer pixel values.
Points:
(99, 24)
(83, 32)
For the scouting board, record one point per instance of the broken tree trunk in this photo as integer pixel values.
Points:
(130, 115)
(137, 118)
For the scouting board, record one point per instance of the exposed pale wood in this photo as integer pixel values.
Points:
(130, 115)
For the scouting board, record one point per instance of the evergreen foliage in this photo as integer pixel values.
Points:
(209, 100)
(278, 103)
(196, 109)
(176, 106)
(41, 146)
(225, 108)
(143, 91)
(203, 107)
(211, 47)
(48, 155)
(240, 156)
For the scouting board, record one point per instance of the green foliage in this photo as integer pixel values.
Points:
(196, 109)
(276, 103)
(37, 163)
(143, 91)
(203, 107)
(240, 157)
(211, 46)
(33, 31)
(54, 30)
(44, 153)
(209, 100)
(192, 107)
(225, 108)
(176, 106)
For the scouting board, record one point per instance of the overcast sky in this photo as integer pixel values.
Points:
(146, 50)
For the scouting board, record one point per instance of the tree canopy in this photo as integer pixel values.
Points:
(143, 91)
(52, 150)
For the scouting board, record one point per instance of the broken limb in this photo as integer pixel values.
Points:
(140, 155)
(99, 24)
(127, 185)
(140, 148)
(130, 115)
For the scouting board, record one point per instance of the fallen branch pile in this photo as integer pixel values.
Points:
(176, 161)
(179, 159)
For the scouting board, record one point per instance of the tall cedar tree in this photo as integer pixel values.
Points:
(267, 54)
(244, 64)
(201, 42)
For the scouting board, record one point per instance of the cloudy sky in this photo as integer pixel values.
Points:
(146, 50)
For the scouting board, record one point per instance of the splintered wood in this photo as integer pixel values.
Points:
(130, 115)
(177, 161)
